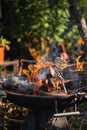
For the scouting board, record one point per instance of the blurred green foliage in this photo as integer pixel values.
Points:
(37, 18)
(83, 7)
(43, 20)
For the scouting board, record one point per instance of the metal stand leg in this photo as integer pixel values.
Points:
(65, 114)
(44, 120)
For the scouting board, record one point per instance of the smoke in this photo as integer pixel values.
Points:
(18, 84)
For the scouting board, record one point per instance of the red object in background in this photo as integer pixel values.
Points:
(1, 55)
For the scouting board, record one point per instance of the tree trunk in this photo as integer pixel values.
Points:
(81, 23)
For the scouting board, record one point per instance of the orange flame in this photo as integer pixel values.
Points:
(33, 76)
(80, 41)
(36, 54)
(79, 65)
(38, 66)
(0, 102)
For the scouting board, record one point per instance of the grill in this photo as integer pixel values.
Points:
(41, 102)
(75, 82)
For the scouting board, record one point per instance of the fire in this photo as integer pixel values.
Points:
(38, 66)
(39, 73)
(79, 65)
(80, 41)
(36, 54)
(32, 71)
(0, 102)
(38, 83)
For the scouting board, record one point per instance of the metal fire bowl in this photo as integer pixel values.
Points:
(74, 79)
(38, 102)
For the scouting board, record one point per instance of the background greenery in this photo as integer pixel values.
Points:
(36, 23)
